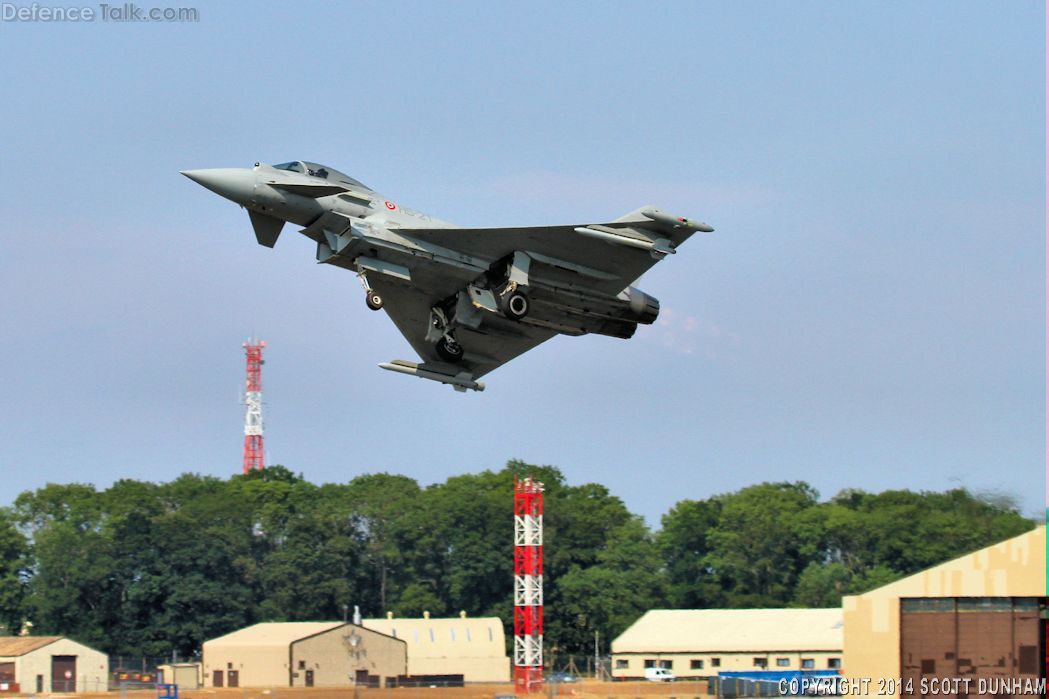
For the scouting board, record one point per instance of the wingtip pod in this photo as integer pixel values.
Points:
(676, 221)
(460, 382)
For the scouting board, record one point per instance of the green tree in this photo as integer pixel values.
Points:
(14, 553)
(684, 544)
(763, 541)
(626, 581)
(384, 505)
(822, 585)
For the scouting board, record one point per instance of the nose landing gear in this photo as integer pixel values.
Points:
(371, 296)
(373, 299)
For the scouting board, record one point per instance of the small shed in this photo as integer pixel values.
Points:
(45, 664)
(185, 675)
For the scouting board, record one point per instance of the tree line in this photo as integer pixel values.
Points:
(146, 568)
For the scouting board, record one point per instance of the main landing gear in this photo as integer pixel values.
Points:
(449, 350)
(514, 305)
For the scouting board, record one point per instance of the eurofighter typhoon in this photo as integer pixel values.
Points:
(467, 299)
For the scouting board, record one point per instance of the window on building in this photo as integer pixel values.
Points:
(715, 662)
(622, 663)
(833, 663)
(432, 639)
(808, 664)
(452, 632)
(302, 664)
(782, 662)
(761, 662)
(665, 664)
(650, 662)
(695, 664)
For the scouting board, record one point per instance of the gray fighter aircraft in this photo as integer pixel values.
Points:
(467, 299)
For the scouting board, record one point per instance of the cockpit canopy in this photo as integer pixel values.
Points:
(322, 172)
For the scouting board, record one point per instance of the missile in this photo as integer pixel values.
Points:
(615, 238)
(676, 221)
(659, 248)
(460, 382)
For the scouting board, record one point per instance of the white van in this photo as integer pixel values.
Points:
(659, 674)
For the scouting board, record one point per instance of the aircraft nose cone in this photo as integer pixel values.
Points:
(235, 184)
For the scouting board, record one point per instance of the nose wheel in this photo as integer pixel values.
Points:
(374, 300)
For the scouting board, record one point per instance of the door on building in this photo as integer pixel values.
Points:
(216, 678)
(970, 638)
(309, 678)
(39, 684)
(233, 678)
(361, 677)
(63, 673)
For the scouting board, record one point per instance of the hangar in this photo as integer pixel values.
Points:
(303, 654)
(705, 642)
(473, 648)
(978, 617)
(45, 664)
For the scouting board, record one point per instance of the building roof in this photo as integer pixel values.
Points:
(1011, 568)
(14, 646)
(455, 637)
(732, 630)
(273, 633)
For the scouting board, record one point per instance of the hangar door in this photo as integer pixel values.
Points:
(63, 673)
(971, 637)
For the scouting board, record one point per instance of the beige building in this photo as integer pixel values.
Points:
(976, 617)
(185, 675)
(303, 654)
(473, 648)
(705, 642)
(45, 664)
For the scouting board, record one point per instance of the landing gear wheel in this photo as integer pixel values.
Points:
(449, 350)
(373, 300)
(515, 305)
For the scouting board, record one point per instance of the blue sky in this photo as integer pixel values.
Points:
(869, 312)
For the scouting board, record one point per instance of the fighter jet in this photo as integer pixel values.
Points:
(467, 299)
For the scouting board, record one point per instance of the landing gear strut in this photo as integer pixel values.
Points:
(371, 296)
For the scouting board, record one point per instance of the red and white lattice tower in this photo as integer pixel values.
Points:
(253, 454)
(528, 585)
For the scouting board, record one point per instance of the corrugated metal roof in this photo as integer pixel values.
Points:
(13, 646)
(273, 633)
(454, 637)
(732, 630)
